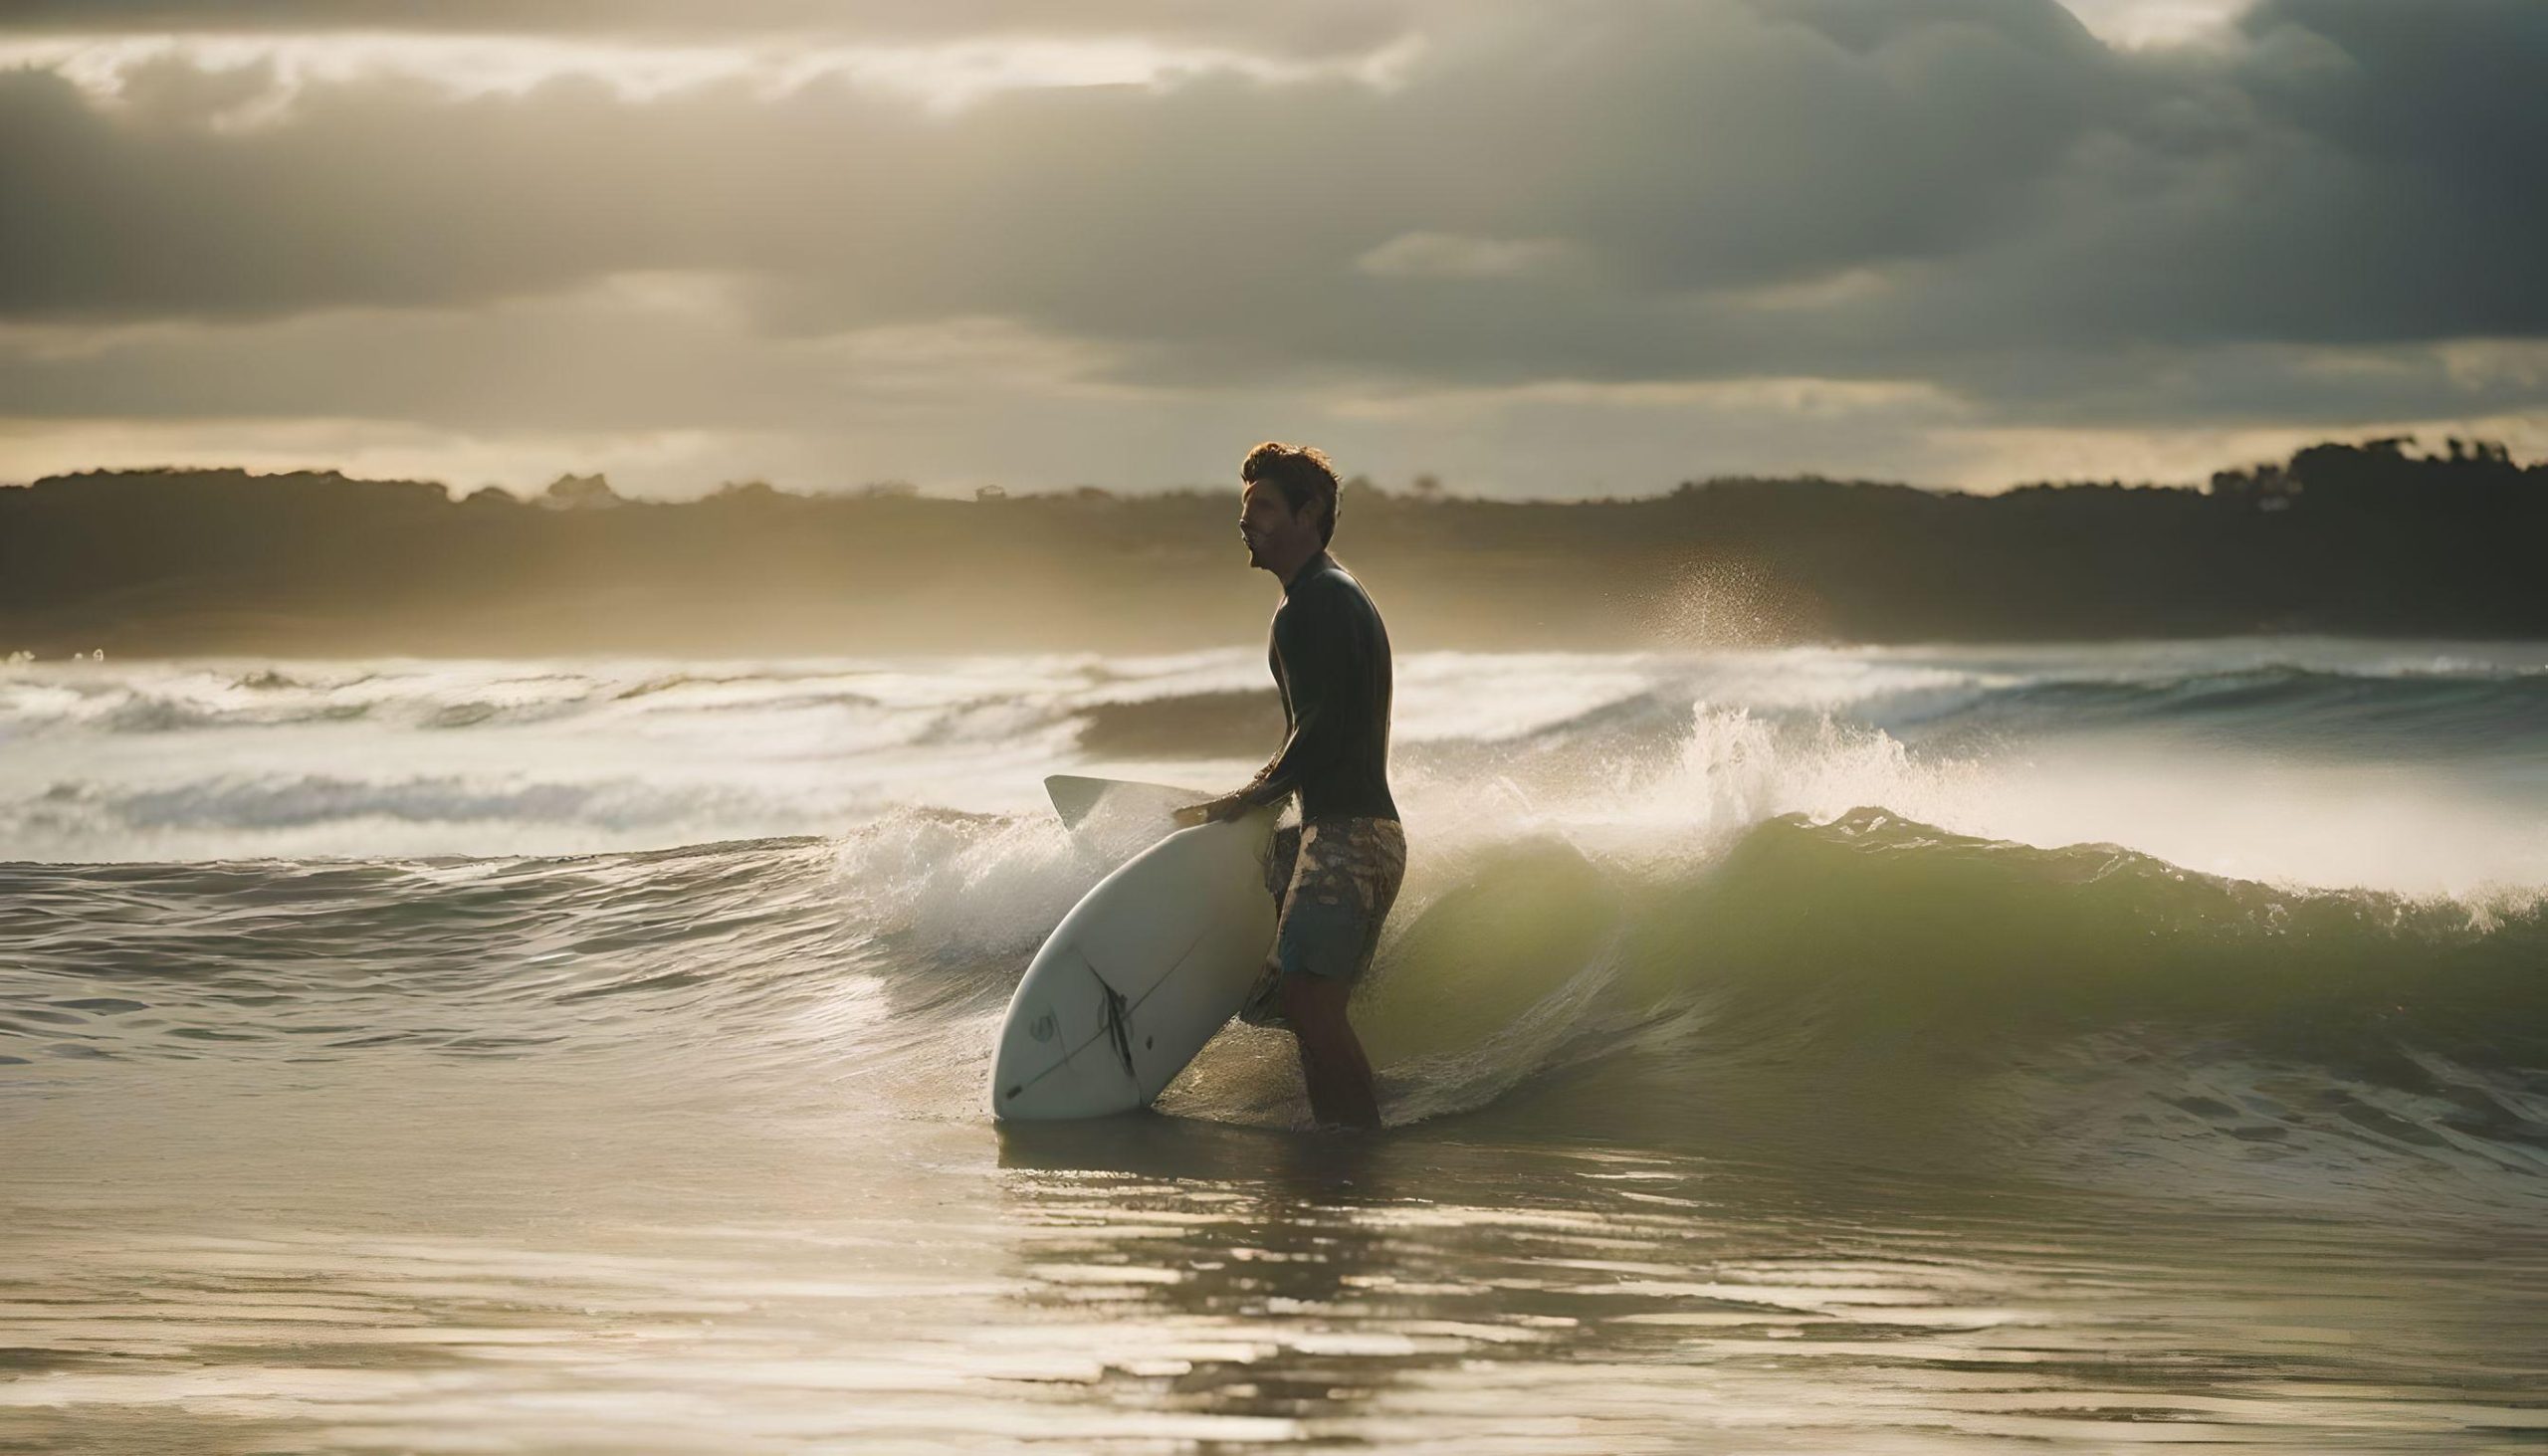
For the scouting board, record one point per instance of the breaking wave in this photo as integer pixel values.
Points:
(2245, 915)
(1798, 989)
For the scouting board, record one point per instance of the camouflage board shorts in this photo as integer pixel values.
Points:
(1333, 882)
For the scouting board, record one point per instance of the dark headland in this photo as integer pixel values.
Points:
(2370, 538)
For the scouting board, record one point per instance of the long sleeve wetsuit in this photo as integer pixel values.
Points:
(1330, 656)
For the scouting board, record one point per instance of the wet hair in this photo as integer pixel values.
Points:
(1302, 474)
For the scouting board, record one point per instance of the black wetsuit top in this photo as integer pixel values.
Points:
(1330, 659)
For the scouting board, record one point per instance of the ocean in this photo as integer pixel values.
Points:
(2071, 1048)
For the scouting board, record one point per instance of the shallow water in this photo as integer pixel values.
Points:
(1167, 1286)
(1888, 1051)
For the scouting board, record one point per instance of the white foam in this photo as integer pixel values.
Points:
(227, 758)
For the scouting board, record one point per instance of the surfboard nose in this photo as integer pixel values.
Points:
(1038, 1081)
(1136, 976)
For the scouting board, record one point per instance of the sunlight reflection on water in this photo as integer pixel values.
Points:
(1148, 1284)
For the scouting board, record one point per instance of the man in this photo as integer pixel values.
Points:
(1336, 876)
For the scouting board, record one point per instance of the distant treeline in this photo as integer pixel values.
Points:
(2342, 538)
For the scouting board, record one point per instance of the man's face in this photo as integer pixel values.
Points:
(1267, 524)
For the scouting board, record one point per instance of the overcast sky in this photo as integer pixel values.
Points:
(1534, 247)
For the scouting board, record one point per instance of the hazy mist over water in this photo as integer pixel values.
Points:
(1813, 1049)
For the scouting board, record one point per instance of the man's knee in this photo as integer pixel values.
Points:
(1313, 1005)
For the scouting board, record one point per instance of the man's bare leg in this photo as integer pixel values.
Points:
(1332, 1060)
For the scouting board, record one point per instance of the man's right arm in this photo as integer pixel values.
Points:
(1318, 651)
(1254, 794)
(1316, 648)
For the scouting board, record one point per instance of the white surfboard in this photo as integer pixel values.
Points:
(1090, 801)
(1138, 975)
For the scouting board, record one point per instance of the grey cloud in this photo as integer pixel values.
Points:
(2023, 201)
(616, 361)
(2327, 389)
(1296, 27)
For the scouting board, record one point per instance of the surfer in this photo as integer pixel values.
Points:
(1335, 874)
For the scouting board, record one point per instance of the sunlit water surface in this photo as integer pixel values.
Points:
(1875, 1052)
